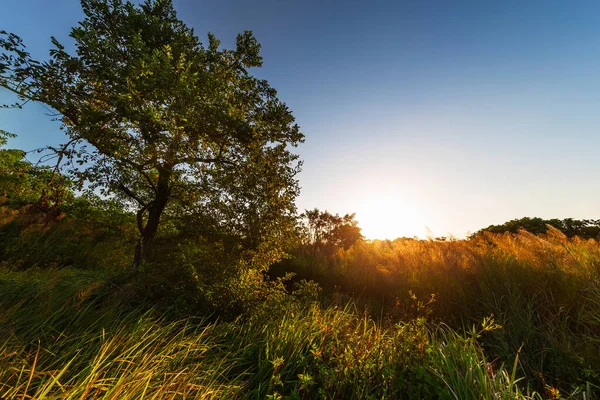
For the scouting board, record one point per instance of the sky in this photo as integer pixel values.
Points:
(426, 118)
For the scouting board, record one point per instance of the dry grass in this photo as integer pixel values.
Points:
(60, 339)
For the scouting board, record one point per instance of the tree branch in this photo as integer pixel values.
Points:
(191, 160)
(139, 168)
(61, 154)
(130, 193)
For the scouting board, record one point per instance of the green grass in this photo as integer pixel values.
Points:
(400, 319)
(58, 343)
(61, 339)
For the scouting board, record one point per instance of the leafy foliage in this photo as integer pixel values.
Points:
(23, 183)
(164, 123)
(325, 229)
(586, 228)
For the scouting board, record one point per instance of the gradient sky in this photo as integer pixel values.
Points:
(424, 117)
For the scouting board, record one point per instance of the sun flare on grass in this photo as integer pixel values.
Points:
(388, 217)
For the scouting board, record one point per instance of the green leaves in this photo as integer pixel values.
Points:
(172, 127)
(4, 136)
(17, 69)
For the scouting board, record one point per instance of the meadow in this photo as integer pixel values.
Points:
(158, 252)
(500, 316)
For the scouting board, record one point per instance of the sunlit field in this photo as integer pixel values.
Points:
(498, 316)
(172, 226)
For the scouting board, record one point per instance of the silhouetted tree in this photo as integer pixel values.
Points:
(569, 226)
(324, 228)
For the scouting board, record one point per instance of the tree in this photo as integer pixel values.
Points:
(324, 228)
(570, 227)
(24, 183)
(164, 123)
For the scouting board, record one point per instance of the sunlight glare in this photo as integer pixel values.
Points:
(388, 217)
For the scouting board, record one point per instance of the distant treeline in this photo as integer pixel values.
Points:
(586, 228)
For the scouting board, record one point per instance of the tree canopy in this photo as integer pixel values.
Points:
(570, 227)
(165, 123)
(326, 229)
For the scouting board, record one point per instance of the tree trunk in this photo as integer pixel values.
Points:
(148, 232)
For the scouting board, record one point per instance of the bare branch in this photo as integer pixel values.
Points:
(140, 168)
(61, 154)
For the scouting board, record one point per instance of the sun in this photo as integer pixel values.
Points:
(388, 217)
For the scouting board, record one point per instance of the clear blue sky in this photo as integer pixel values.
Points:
(448, 114)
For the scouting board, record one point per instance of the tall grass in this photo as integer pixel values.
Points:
(58, 344)
(399, 319)
(543, 290)
(61, 340)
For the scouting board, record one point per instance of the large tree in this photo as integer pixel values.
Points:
(163, 122)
